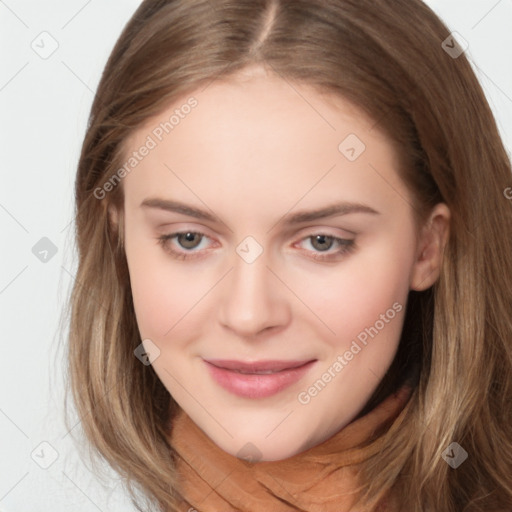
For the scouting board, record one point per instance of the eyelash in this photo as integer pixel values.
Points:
(347, 246)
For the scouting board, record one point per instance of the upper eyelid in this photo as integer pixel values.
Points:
(300, 238)
(302, 232)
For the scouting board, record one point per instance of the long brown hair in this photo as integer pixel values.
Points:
(388, 58)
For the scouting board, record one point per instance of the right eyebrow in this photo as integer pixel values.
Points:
(177, 207)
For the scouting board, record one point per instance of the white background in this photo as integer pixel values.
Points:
(44, 104)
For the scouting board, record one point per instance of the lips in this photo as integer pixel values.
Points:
(257, 379)
(257, 366)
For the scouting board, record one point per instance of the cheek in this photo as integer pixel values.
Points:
(162, 295)
(353, 296)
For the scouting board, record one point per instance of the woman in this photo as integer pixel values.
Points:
(229, 364)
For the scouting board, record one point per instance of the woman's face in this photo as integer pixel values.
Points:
(300, 255)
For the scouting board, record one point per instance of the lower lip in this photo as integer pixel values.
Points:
(257, 386)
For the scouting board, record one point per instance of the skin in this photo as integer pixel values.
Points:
(254, 149)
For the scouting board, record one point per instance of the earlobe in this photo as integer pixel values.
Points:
(431, 244)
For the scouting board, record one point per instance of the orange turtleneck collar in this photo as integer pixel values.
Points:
(320, 479)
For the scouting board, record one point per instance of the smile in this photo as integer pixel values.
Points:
(258, 379)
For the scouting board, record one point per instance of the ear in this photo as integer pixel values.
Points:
(113, 216)
(116, 224)
(430, 248)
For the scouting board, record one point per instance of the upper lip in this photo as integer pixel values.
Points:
(256, 366)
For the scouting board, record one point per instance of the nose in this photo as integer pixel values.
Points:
(254, 299)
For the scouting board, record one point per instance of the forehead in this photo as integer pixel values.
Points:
(261, 136)
(256, 103)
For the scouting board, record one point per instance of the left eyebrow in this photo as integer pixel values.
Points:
(336, 209)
